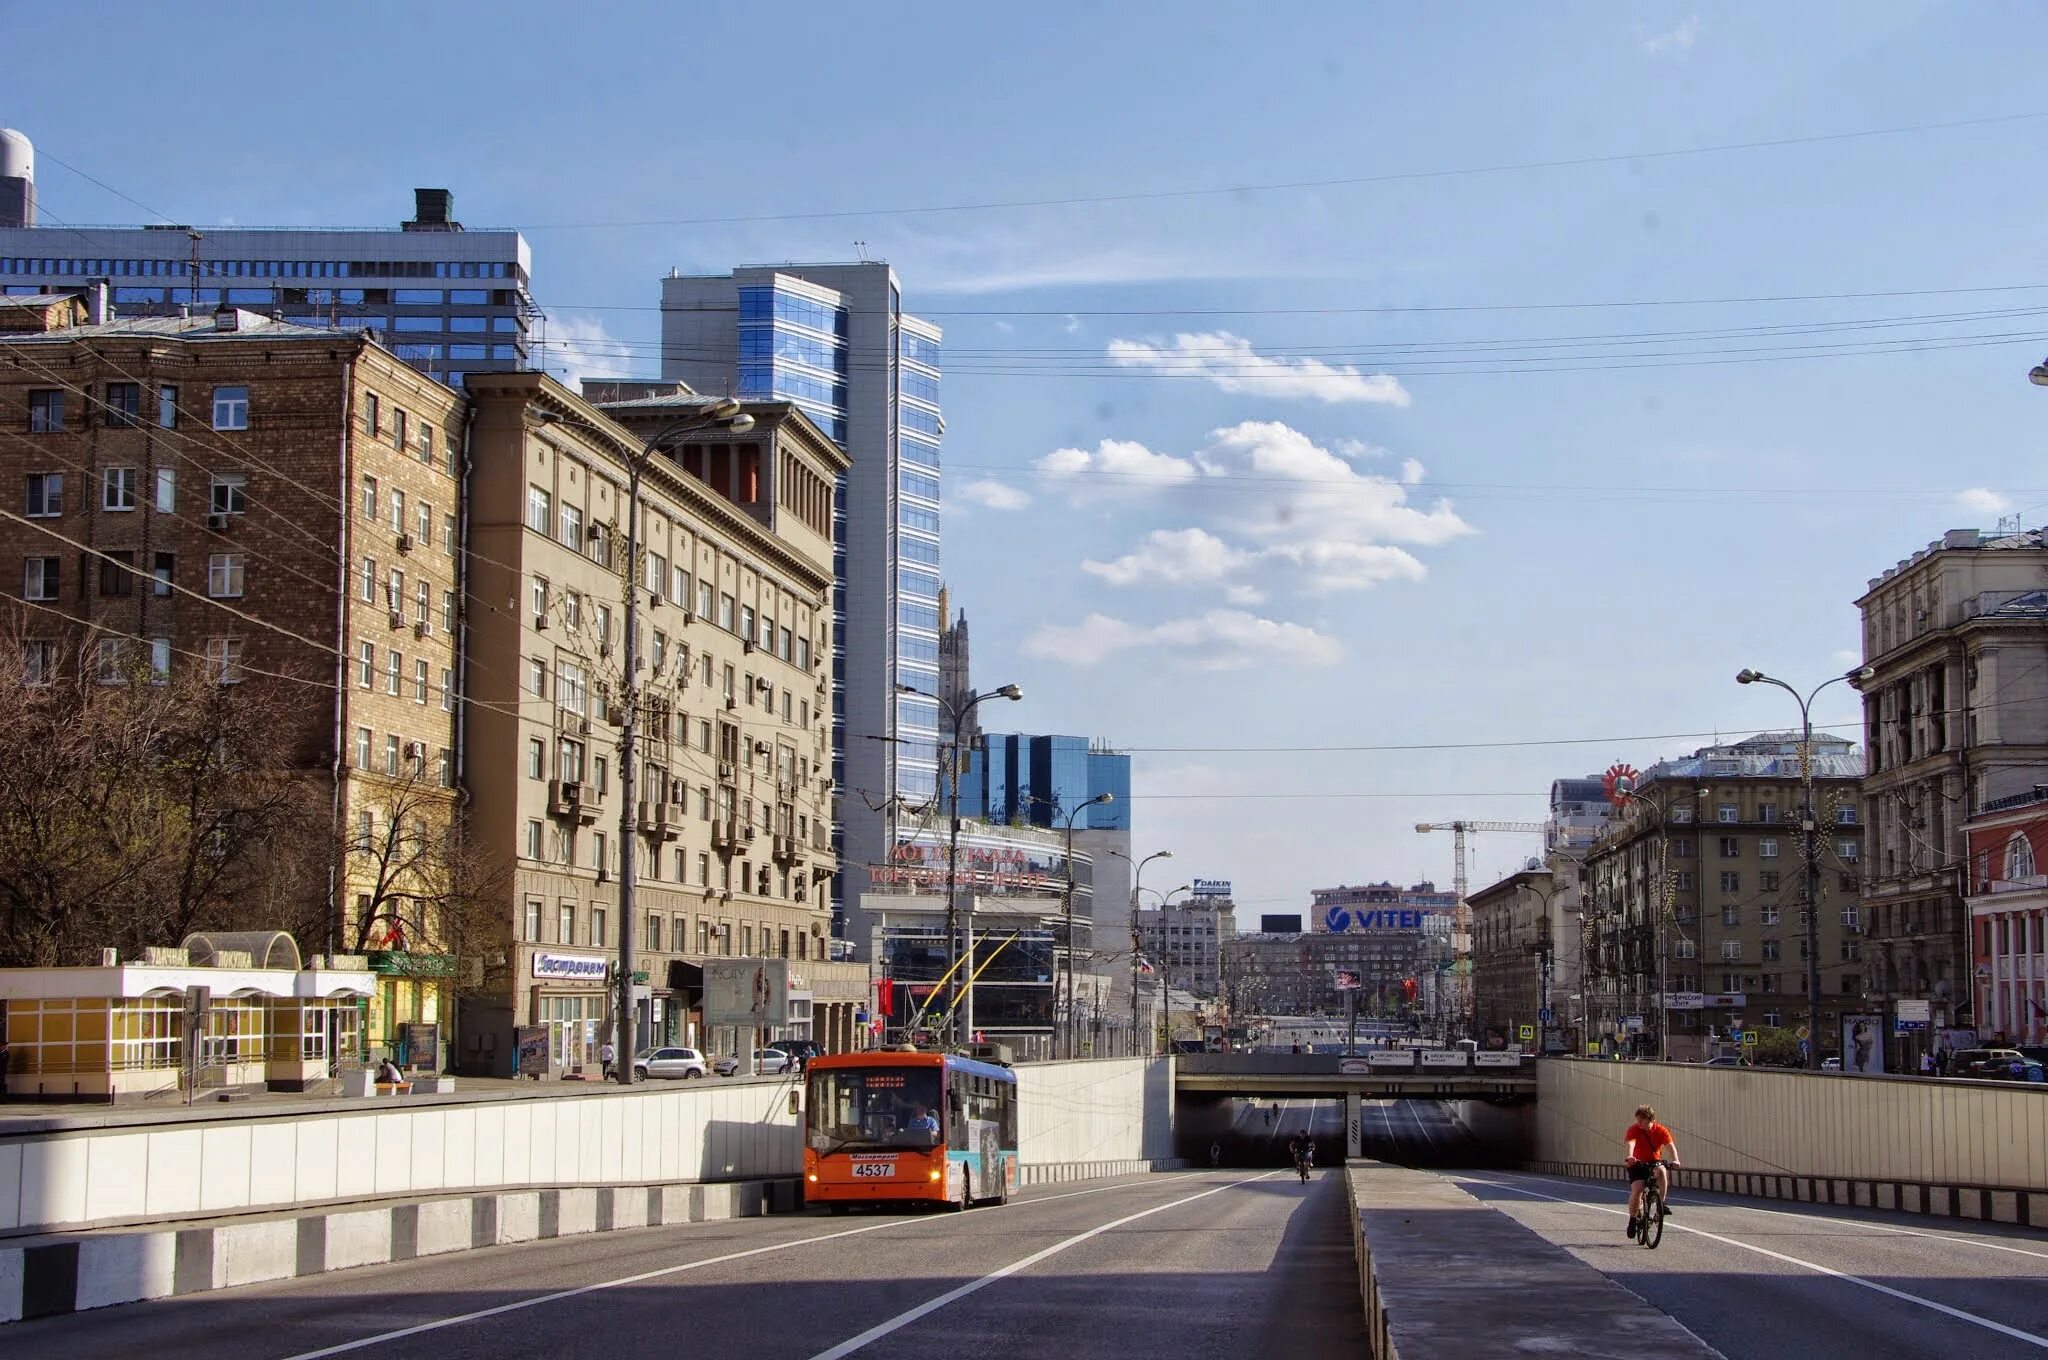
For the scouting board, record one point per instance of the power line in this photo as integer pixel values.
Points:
(1347, 181)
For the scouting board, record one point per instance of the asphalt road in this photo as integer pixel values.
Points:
(1762, 1280)
(1222, 1264)
(1418, 1133)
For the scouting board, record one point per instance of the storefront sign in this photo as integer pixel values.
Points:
(569, 967)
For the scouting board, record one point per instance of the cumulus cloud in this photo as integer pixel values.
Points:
(1411, 471)
(1679, 39)
(1979, 500)
(1220, 639)
(1350, 566)
(1174, 557)
(1300, 492)
(993, 495)
(1231, 364)
(1118, 465)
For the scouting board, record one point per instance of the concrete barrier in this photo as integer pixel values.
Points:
(1094, 1113)
(1444, 1277)
(1930, 1146)
(44, 1276)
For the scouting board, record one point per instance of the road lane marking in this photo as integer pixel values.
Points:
(930, 1306)
(1417, 1117)
(1857, 1223)
(1957, 1313)
(538, 1300)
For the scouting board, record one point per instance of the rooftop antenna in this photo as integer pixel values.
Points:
(196, 239)
(860, 248)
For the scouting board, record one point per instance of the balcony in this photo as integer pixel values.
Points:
(574, 798)
(660, 819)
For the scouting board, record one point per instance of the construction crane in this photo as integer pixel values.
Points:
(1458, 831)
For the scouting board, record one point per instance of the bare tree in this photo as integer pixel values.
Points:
(421, 882)
(138, 806)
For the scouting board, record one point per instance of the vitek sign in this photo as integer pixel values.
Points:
(1340, 919)
(569, 967)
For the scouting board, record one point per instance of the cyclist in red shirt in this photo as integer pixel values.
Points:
(1644, 1142)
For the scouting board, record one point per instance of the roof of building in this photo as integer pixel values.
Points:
(1753, 765)
(202, 326)
(668, 401)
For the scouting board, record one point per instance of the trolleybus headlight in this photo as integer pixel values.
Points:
(935, 1174)
(814, 1178)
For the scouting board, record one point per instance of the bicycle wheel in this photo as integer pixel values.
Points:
(1652, 1230)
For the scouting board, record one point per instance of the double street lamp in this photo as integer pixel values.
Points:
(724, 414)
(1137, 884)
(1809, 828)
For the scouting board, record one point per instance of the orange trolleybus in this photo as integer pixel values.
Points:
(894, 1127)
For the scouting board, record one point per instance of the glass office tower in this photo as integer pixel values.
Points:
(835, 340)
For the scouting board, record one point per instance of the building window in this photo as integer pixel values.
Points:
(366, 665)
(419, 682)
(1681, 847)
(370, 499)
(426, 524)
(117, 573)
(45, 494)
(230, 408)
(397, 511)
(539, 510)
(38, 662)
(1731, 848)
(224, 660)
(532, 919)
(230, 493)
(46, 411)
(565, 921)
(167, 407)
(533, 843)
(1849, 850)
(117, 488)
(2019, 858)
(224, 576)
(124, 405)
(391, 754)
(400, 427)
(363, 748)
(1731, 951)
(166, 490)
(112, 661)
(572, 526)
(165, 568)
(1845, 816)
(1726, 812)
(39, 579)
(1767, 848)
(373, 412)
(536, 759)
(1731, 881)
(597, 924)
(539, 602)
(447, 690)
(1767, 881)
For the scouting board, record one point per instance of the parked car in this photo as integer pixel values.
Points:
(669, 1063)
(1830, 1064)
(1996, 1064)
(769, 1062)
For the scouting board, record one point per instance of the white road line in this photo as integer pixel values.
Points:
(1859, 1224)
(1387, 1118)
(438, 1324)
(1417, 1117)
(1957, 1313)
(930, 1306)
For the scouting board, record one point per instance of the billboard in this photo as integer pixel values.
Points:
(1863, 1044)
(1347, 981)
(1289, 924)
(1340, 919)
(746, 991)
(1212, 887)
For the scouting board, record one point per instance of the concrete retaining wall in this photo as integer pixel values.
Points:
(162, 1166)
(1978, 1150)
(41, 1277)
(1103, 1112)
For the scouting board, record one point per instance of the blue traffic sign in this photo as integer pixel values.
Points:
(1544, 1015)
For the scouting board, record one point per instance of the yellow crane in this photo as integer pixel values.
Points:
(1458, 832)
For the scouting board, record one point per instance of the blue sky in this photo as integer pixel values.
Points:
(1584, 547)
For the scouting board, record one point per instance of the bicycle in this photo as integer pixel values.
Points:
(1650, 1230)
(1301, 1167)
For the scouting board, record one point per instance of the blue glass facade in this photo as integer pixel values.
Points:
(1040, 780)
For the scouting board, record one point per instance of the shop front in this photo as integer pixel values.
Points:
(570, 1001)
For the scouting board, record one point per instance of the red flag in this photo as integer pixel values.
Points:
(885, 996)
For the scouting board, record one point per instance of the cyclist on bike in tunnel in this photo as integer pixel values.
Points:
(1644, 1142)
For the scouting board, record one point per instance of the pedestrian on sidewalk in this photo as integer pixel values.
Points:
(607, 1058)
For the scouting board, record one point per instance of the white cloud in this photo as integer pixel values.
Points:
(1220, 639)
(578, 347)
(1174, 557)
(1679, 39)
(1243, 596)
(1357, 450)
(993, 495)
(1983, 501)
(1232, 365)
(1411, 471)
(1296, 491)
(1118, 464)
(1351, 566)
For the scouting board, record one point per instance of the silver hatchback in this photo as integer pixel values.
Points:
(670, 1063)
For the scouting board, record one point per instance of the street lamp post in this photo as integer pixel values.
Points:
(723, 413)
(1809, 828)
(962, 1009)
(1166, 974)
(1137, 882)
(1068, 1014)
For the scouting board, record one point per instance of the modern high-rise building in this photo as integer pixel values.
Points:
(447, 300)
(835, 340)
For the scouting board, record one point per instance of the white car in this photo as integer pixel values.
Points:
(769, 1062)
(670, 1063)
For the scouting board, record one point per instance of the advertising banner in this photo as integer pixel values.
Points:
(746, 992)
(1863, 1044)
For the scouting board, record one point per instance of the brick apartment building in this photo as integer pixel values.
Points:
(264, 500)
